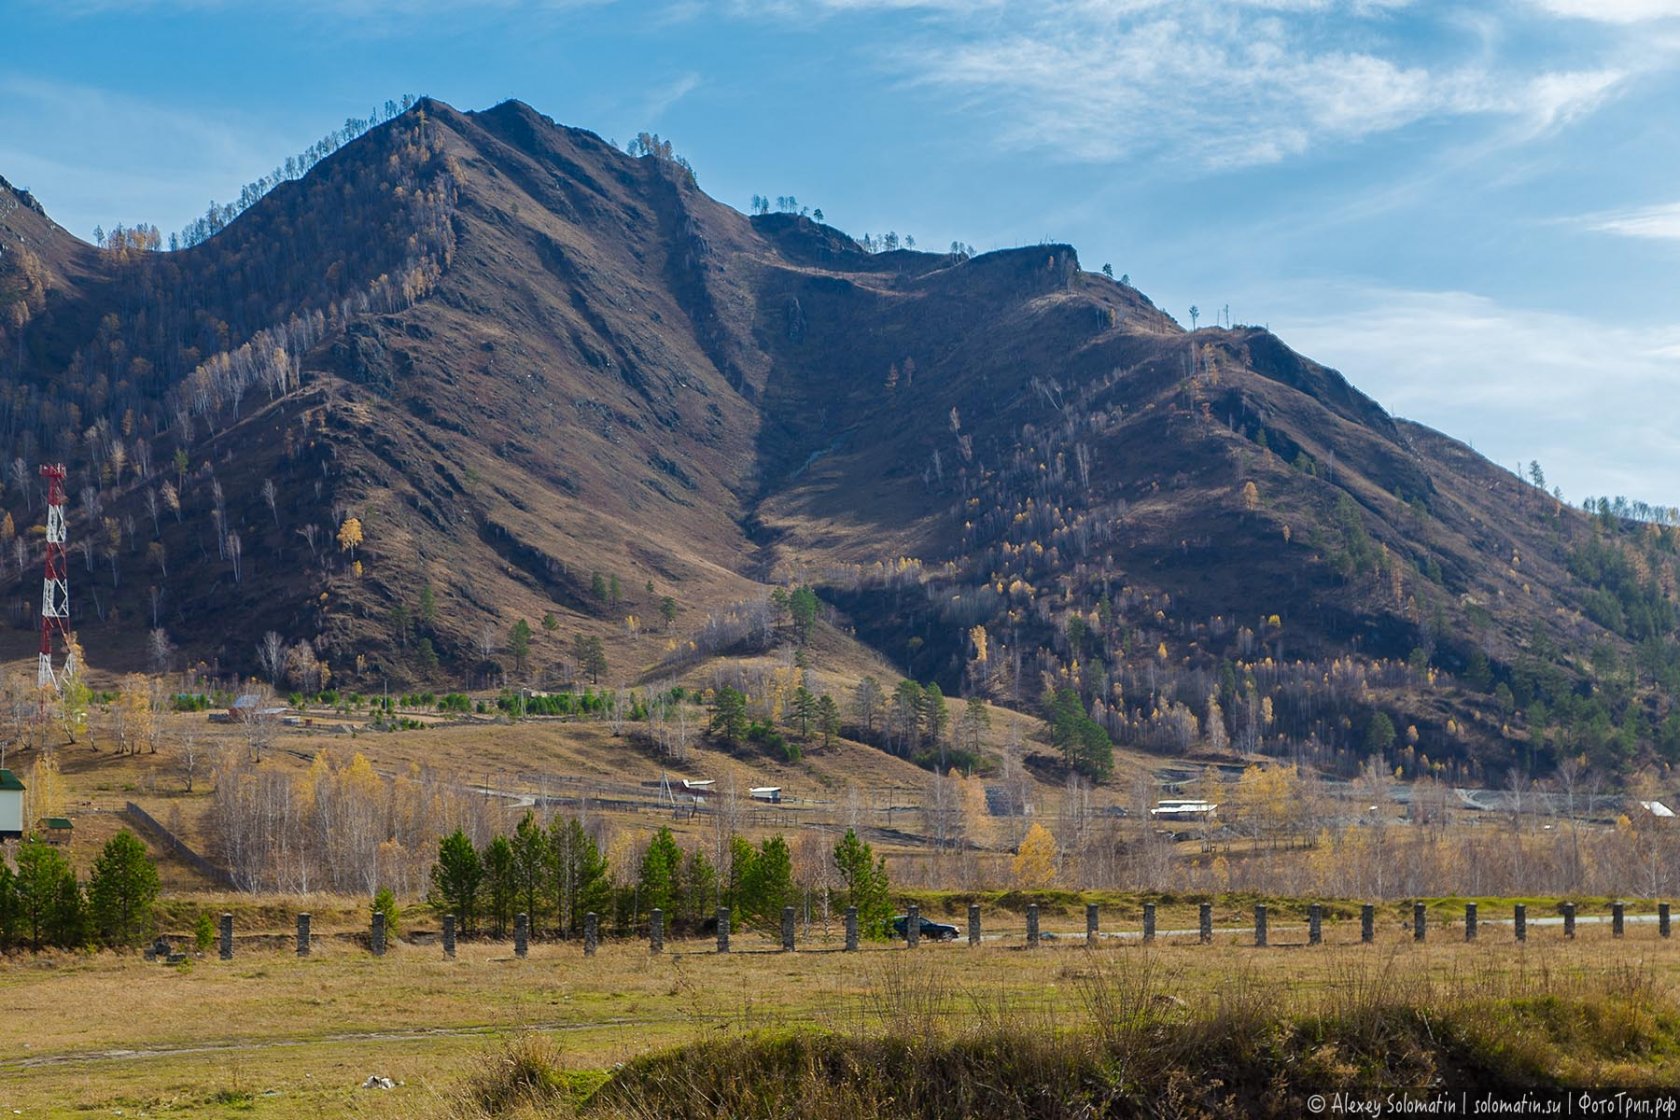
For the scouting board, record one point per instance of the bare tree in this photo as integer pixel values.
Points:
(254, 711)
(271, 655)
(188, 761)
(162, 650)
(304, 668)
(269, 494)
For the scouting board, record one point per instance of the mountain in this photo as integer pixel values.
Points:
(547, 378)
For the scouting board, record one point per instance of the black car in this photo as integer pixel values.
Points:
(930, 929)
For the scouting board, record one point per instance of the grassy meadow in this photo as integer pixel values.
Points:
(274, 1036)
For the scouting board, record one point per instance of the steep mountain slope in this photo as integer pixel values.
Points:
(543, 376)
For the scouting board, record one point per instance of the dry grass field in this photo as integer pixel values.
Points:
(269, 1035)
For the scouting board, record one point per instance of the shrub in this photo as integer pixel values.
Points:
(384, 902)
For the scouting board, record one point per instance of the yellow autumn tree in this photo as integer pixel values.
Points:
(1269, 800)
(977, 820)
(1034, 866)
(131, 714)
(74, 696)
(350, 535)
(45, 789)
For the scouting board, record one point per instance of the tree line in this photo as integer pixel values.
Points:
(43, 904)
(557, 875)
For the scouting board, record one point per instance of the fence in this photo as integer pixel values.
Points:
(176, 846)
(914, 928)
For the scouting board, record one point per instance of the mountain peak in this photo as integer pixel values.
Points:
(22, 197)
(529, 364)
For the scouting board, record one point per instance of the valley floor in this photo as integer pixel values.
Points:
(278, 1037)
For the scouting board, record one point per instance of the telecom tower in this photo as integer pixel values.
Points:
(55, 585)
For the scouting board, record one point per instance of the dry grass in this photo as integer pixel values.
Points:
(296, 1037)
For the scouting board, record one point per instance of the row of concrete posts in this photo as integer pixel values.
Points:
(913, 923)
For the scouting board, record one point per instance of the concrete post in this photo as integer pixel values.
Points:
(973, 923)
(1618, 915)
(1367, 923)
(1522, 922)
(1260, 926)
(787, 929)
(1204, 923)
(1092, 932)
(449, 936)
(913, 927)
(1469, 921)
(723, 929)
(1569, 919)
(227, 937)
(1148, 922)
(1418, 927)
(376, 937)
(1315, 924)
(1662, 918)
(591, 933)
(303, 935)
(851, 929)
(521, 934)
(1032, 925)
(656, 932)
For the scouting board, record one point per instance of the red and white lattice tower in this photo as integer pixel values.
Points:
(55, 584)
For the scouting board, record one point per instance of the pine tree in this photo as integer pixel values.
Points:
(123, 890)
(729, 716)
(519, 642)
(767, 884)
(865, 879)
(48, 898)
(804, 711)
(455, 879)
(661, 872)
(501, 884)
(532, 868)
(581, 883)
(828, 718)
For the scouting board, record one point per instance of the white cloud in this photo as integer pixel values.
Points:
(46, 144)
(1217, 84)
(668, 95)
(1598, 403)
(1660, 223)
(1612, 11)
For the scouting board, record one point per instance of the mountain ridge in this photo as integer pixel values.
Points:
(520, 358)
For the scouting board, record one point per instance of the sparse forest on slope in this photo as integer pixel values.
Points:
(476, 368)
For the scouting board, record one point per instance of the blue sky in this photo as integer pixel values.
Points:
(1472, 209)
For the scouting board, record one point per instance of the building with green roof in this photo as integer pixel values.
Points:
(11, 806)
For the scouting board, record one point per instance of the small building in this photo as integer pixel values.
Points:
(11, 806)
(765, 793)
(1184, 810)
(55, 830)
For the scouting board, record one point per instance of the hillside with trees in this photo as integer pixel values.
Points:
(477, 400)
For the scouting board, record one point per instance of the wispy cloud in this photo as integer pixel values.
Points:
(1228, 86)
(187, 154)
(669, 94)
(1229, 83)
(1658, 223)
(1612, 11)
(1598, 403)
